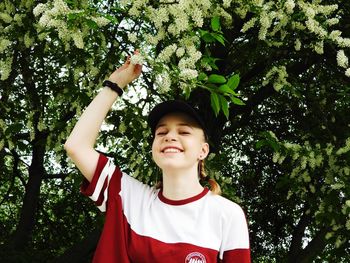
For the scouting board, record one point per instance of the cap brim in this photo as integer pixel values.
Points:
(167, 107)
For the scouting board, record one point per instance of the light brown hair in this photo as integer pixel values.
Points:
(204, 178)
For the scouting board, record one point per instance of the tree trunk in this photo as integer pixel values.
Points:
(23, 232)
(296, 245)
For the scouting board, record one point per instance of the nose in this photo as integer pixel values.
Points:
(170, 136)
(170, 139)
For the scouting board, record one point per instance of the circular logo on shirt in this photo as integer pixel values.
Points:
(195, 257)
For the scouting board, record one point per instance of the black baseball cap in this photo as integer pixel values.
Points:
(164, 108)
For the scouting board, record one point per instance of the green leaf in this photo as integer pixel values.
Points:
(224, 105)
(202, 76)
(14, 128)
(187, 92)
(92, 24)
(274, 145)
(215, 23)
(111, 18)
(72, 16)
(260, 144)
(210, 61)
(215, 104)
(233, 81)
(215, 78)
(237, 101)
(219, 37)
(211, 86)
(213, 65)
(226, 89)
(208, 38)
(203, 32)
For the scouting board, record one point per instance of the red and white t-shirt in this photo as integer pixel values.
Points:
(143, 226)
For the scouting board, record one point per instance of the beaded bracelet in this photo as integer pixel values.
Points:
(113, 86)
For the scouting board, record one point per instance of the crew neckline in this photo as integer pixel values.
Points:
(182, 201)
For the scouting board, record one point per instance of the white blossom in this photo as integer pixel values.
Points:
(60, 7)
(39, 9)
(347, 72)
(167, 53)
(298, 25)
(342, 59)
(163, 82)
(319, 47)
(28, 41)
(249, 24)
(44, 20)
(11, 145)
(41, 125)
(197, 17)
(326, 9)
(188, 74)
(347, 203)
(137, 59)
(101, 21)
(310, 12)
(337, 186)
(278, 76)
(226, 17)
(335, 34)
(78, 39)
(5, 68)
(276, 156)
(227, 3)
(312, 189)
(311, 24)
(132, 37)
(332, 21)
(158, 16)
(289, 5)
(19, 19)
(273, 135)
(6, 18)
(122, 127)
(343, 42)
(180, 52)
(297, 44)
(4, 44)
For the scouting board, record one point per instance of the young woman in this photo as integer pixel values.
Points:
(180, 222)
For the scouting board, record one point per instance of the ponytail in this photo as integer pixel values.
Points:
(203, 177)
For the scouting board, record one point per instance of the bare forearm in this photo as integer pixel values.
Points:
(87, 128)
(80, 143)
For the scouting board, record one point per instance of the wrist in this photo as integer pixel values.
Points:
(119, 82)
(113, 86)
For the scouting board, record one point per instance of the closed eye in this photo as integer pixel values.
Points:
(161, 131)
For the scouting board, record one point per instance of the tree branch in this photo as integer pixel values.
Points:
(56, 176)
(314, 247)
(297, 236)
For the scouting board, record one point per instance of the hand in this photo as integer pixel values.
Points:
(126, 73)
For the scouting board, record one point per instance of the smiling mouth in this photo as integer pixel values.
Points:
(171, 150)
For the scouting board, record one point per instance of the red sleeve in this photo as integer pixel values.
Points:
(87, 188)
(105, 183)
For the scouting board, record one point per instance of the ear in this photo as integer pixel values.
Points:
(204, 151)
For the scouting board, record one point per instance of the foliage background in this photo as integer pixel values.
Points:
(270, 77)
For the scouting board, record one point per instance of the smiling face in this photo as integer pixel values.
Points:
(178, 142)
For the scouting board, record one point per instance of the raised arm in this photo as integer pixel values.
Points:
(80, 143)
